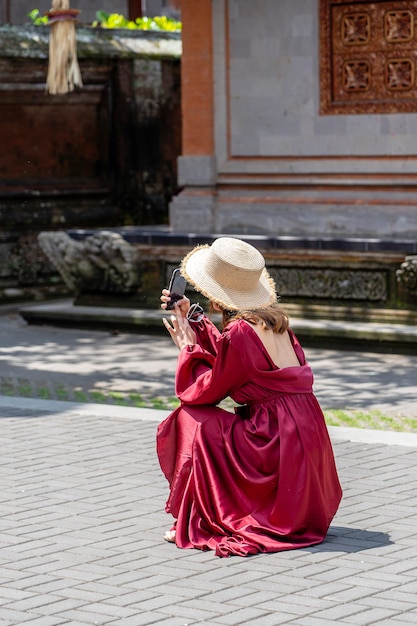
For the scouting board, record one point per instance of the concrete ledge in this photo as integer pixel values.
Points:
(67, 314)
(323, 332)
(78, 408)
(367, 331)
(362, 435)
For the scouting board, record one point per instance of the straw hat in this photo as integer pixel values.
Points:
(230, 273)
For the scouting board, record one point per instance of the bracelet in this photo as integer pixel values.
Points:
(195, 313)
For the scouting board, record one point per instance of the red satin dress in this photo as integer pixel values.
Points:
(261, 479)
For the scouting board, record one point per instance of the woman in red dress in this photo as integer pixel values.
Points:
(261, 478)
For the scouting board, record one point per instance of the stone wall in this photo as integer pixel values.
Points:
(104, 155)
(279, 165)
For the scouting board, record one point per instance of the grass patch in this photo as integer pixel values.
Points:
(44, 393)
(99, 397)
(24, 389)
(137, 400)
(118, 398)
(6, 387)
(61, 393)
(373, 419)
(411, 423)
(81, 396)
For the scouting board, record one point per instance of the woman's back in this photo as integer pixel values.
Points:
(278, 346)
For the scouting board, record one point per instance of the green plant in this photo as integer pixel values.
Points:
(158, 23)
(98, 396)
(24, 388)
(118, 398)
(115, 20)
(37, 18)
(43, 392)
(80, 396)
(61, 392)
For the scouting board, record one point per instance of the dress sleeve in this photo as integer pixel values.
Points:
(206, 378)
(207, 335)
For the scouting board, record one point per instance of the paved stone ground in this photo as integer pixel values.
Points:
(82, 517)
(82, 503)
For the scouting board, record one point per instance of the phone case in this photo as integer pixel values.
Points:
(176, 288)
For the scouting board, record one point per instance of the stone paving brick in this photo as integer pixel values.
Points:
(86, 617)
(147, 619)
(308, 603)
(49, 620)
(193, 614)
(37, 601)
(324, 592)
(339, 612)
(11, 616)
(409, 618)
(24, 580)
(389, 603)
(275, 619)
(253, 598)
(151, 604)
(242, 616)
(399, 567)
(371, 616)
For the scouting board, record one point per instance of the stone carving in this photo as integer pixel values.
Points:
(103, 262)
(399, 26)
(367, 56)
(399, 74)
(331, 284)
(356, 76)
(407, 274)
(356, 29)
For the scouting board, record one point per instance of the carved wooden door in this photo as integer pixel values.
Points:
(368, 56)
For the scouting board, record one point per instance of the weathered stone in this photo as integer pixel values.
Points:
(33, 42)
(407, 274)
(103, 262)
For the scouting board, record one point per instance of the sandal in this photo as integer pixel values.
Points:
(170, 536)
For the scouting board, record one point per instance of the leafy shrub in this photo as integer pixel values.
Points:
(115, 20)
(37, 18)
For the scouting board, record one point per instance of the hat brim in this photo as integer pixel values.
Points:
(193, 269)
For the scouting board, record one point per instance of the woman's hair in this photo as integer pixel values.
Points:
(271, 317)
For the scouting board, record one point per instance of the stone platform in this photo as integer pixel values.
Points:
(361, 275)
(334, 289)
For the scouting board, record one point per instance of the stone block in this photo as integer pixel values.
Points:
(197, 170)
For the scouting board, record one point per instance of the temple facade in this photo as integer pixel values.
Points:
(299, 119)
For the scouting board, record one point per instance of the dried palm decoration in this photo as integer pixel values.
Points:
(63, 72)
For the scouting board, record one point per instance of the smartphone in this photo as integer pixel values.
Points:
(176, 288)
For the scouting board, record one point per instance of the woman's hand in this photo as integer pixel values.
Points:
(181, 332)
(183, 304)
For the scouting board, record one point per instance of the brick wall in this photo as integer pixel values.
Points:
(197, 78)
